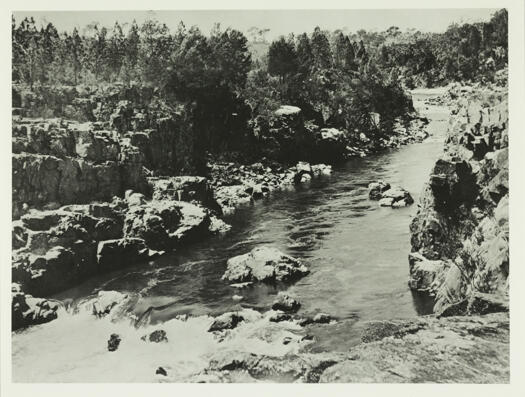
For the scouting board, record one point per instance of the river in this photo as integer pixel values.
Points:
(356, 251)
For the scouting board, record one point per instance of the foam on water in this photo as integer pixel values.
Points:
(73, 348)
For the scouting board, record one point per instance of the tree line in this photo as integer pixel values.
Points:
(352, 81)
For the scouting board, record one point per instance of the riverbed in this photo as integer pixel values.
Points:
(356, 252)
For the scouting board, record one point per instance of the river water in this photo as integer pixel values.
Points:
(356, 252)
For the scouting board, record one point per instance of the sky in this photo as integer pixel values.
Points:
(280, 22)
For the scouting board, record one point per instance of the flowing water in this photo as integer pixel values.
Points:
(356, 252)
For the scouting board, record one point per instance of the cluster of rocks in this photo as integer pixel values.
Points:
(389, 196)
(235, 184)
(56, 249)
(460, 235)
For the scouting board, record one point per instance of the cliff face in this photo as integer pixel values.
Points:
(120, 136)
(460, 235)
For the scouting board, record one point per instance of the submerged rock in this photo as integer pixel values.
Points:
(319, 318)
(264, 264)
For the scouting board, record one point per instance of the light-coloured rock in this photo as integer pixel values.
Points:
(264, 264)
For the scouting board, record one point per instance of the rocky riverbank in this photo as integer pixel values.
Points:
(97, 185)
(268, 343)
(460, 235)
(459, 257)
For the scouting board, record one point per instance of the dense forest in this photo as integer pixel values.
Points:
(353, 82)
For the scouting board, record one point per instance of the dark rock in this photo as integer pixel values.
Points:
(156, 336)
(27, 311)
(319, 318)
(113, 342)
(453, 184)
(154, 222)
(118, 253)
(161, 371)
(226, 321)
(279, 316)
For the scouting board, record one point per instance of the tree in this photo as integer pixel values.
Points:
(131, 52)
(232, 57)
(322, 54)
(27, 51)
(116, 51)
(49, 41)
(282, 58)
(344, 57)
(304, 54)
(97, 49)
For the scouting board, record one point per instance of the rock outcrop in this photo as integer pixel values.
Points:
(56, 249)
(458, 349)
(121, 136)
(460, 235)
(452, 350)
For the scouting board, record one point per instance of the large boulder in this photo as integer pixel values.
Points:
(118, 253)
(155, 222)
(264, 264)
